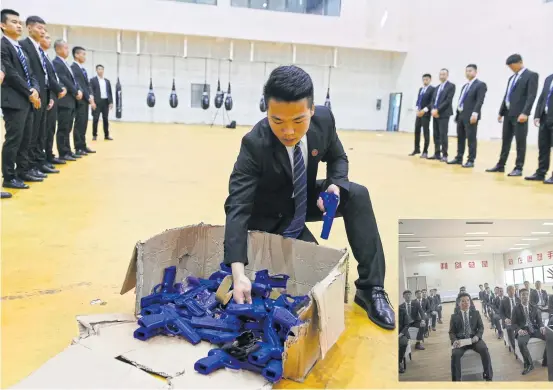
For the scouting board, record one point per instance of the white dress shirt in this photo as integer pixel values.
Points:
(104, 88)
(67, 65)
(460, 108)
(513, 81)
(37, 48)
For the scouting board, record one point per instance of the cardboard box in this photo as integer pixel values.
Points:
(106, 355)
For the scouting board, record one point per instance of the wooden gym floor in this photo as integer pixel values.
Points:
(434, 363)
(67, 241)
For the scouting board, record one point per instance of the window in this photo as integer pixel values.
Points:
(528, 275)
(208, 2)
(538, 274)
(509, 277)
(519, 279)
(313, 7)
(196, 92)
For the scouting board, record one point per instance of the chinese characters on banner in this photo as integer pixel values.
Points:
(510, 261)
(529, 259)
(457, 265)
(520, 260)
(485, 264)
(540, 256)
(443, 265)
(471, 264)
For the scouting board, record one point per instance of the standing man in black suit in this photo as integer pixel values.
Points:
(543, 118)
(516, 107)
(57, 91)
(442, 110)
(527, 324)
(424, 106)
(469, 113)
(467, 324)
(31, 45)
(103, 96)
(81, 111)
(508, 304)
(20, 95)
(415, 317)
(67, 104)
(273, 188)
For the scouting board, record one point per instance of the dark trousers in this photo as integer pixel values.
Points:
(441, 142)
(482, 349)
(496, 320)
(65, 124)
(38, 137)
(466, 132)
(545, 143)
(102, 107)
(423, 122)
(434, 318)
(15, 151)
(81, 123)
(510, 335)
(51, 121)
(512, 128)
(362, 231)
(523, 345)
(484, 308)
(403, 343)
(420, 333)
(439, 310)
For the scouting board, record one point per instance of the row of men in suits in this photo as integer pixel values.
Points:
(422, 312)
(514, 113)
(39, 93)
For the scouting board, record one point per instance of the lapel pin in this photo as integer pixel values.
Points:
(314, 152)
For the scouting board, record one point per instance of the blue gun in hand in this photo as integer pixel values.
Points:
(330, 202)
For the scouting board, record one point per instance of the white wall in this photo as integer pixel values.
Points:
(521, 259)
(448, 281)
(452, 34)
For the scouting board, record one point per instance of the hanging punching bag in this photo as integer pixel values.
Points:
(327, 101)
(118, 100)
(205, 98)
(219, 95)
(228, 99)
(173, 98)
(151, 99)
(262, 104)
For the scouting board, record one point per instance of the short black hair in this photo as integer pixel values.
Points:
(58, 43)
(77, 49)
(462, 287)
(427, 75)
(407, 292)
(513, 59)
(289, 84)
(473, 66)
(417, 291)
(460, 296)
(5, 12)
(423, 290)
(99, 66)
(526, 282)
(522, 290)
(34, 20)
(447, 70)
(480, 285)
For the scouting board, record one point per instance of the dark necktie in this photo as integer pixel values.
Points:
(528, 322)
(43, 60)
(300, 195)
(512, 305)
(419, 100)
(440, 88)
(548, 98)
(508, 99)
(409, 313)
(467, 325)
(84, 72)
(464, 95)
(23, 61)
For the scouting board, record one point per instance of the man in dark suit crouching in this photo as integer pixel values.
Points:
(466, 324)
(273, 188)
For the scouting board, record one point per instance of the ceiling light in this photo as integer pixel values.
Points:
(476, 233)
(513, 249)
(470, 253)
(548, 224)
(406, 234)
(473, 246)
(541, 233)
(429, 254)
(530, 239)
(415, 247)
(522, 244)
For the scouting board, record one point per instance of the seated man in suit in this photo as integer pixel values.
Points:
(404, 336)
(437, 301)
(428, 307)
(538, 297)
(496, 305)
(273, 188)
(527, 324)
(423, 304)
(415, 317)
(506, 312)
(466, 325)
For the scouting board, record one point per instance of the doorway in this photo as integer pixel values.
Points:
(415, 283)
(394, 111)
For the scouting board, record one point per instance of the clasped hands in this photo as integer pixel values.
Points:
(457, 343)
(35, 98)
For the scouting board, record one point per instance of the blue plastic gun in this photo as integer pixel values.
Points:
(330, 202)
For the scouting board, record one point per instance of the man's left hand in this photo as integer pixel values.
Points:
(333, 189)
(110, 107)
(542, 330)
(522, 118)
(473, 119)
(50, 105)
(475, 339)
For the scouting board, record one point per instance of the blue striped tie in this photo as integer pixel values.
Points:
(43, 58)
(300, 196)
(23, 61)
(85, 74)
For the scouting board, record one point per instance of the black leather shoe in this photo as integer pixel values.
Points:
(377, 305)
(47, 169)
(81, 153)
(497, 168)
(401, 369)
(515, 172)
(58, 161)
(69, 157)
(15, 183)
(455, 161)
(75, 155)
(468, 164)
(414, 153)
(420, 347)
(434, 157)
(36, 173)
(444, 159)
(528, 369)
(424, 155)
(108, 138)
(5, 195)
(535, 177)
(548, 181)
(94, 137)
(88, 150)
(30, 178)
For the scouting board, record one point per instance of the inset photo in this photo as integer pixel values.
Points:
(476, 300)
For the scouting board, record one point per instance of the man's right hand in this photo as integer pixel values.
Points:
(242, 285)
(507, 321)
(456, 344)
(34, 95)
(500, 119)
(62, 93)
(522, 332)
(537, 122)
(79, 95)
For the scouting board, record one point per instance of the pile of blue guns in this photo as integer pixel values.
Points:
(249, 336)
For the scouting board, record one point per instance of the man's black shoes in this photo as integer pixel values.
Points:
(376, 303)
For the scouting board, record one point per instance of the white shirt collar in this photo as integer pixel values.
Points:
(35, 43)
(12, 41)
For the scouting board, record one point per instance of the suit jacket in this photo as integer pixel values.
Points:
(534, 297)
(426, 305)
(83, 82)
(15, 90)
(523, 95)
(473, 100)
(36, 65)
(481, 295)
(457, 325)
(68, 80)
(417, 314)
(426, 101)
(437, 299)
(540, 108)
(95, 89)
(403, 321)
(496, 303)
(445, 100)
(505, 310)
(519, 319)
(54, 84)
(261, 187)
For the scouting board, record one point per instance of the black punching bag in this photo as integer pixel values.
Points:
(118, 100)
(205, 98)
(228, 99)
(151, 99)
(219, 95)
(327, 101)
(262, 104)
(173, 98)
